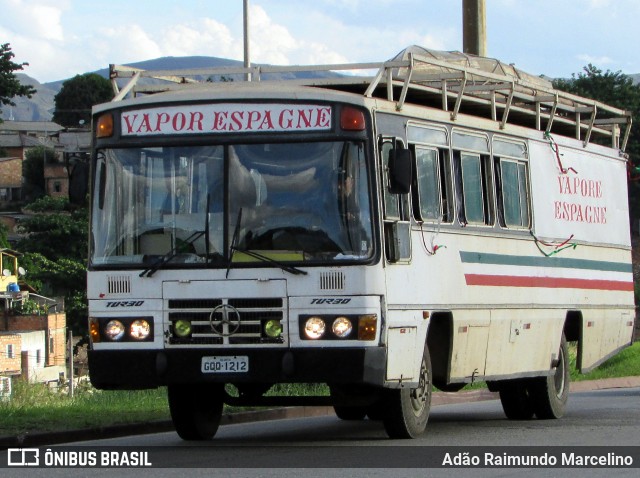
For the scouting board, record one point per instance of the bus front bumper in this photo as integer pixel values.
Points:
(140, 369)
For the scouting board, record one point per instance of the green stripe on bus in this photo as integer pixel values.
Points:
(555, 262)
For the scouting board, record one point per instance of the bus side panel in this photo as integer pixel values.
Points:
(523, 342)
(470, 342)
(406, 338)
(604, 332)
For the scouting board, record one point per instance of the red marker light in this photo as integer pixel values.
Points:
(352, 119)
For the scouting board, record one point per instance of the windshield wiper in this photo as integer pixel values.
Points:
(281, 265)
(234, 240)
(149, 271)
(206, 229)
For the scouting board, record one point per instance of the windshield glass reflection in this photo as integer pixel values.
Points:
(300, 202)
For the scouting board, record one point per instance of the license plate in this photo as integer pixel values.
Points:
(225, 364)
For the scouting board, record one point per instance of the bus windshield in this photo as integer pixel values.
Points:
(206, 205)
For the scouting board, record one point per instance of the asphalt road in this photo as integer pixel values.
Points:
(327, 446)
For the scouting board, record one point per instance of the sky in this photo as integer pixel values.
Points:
(62, 38)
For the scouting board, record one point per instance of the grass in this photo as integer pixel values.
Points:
(624, 364)
(36, 408)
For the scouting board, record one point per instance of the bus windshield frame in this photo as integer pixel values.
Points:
(196, 204)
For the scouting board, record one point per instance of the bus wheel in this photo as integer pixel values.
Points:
(350, 413)
(550, 394)
(407, 410)
(196, 410)
(516, 400)
(375, 411)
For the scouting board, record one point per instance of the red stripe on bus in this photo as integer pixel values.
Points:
(547, 282)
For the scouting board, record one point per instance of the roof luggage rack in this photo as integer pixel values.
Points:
(450, 81)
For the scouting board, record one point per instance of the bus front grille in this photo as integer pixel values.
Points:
(232, 321)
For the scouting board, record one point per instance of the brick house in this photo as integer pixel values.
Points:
(17, 137)
(10, 179)
(31, 346)
(10, 354)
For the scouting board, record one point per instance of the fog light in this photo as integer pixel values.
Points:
(273, 328)
(341, 327)
(314, 328)
(114, 330)
(182, 328)
(367, 327)
(139, 329)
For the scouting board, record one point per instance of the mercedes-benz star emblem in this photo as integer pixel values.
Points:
(229, 323)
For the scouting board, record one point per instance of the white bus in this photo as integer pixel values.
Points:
(446, 219)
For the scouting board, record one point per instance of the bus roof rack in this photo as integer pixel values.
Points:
(451, 81)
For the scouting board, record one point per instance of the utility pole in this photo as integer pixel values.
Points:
(474, 27)
(70, 352)
(247, 56)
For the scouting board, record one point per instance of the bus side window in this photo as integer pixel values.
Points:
(473, 178)
(512, 186)
(432, 195)
(397, 225)
(513, 193)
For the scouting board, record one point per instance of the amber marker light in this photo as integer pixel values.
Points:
(367, 327)
(104, 128)
(352, 119)
(94, 330)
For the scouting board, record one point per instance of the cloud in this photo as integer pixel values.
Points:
(599, 4)
(36, 19)
(205, 37)
(122, 44)
(595, 60)
(35, 31)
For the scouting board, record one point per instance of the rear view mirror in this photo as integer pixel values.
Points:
(79, 183)
(400, 170)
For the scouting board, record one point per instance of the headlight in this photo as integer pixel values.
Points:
(139, 329)
(182, 328)
(314, 327)
(114, 330)
(341, 327)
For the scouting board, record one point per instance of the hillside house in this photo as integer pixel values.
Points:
(31, 345)
(17, 137)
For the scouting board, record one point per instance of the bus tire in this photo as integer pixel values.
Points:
(550, 394)
(350, 413)
(516, 400)
(375, 411)
(407, 410)
(196, 410)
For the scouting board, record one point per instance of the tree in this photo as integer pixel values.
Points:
(4, 236)
(56, 241)
(9, 84)
(618, 90)
(55, 229)
(76, 97)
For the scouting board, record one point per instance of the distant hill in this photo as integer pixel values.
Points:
(40, 107)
